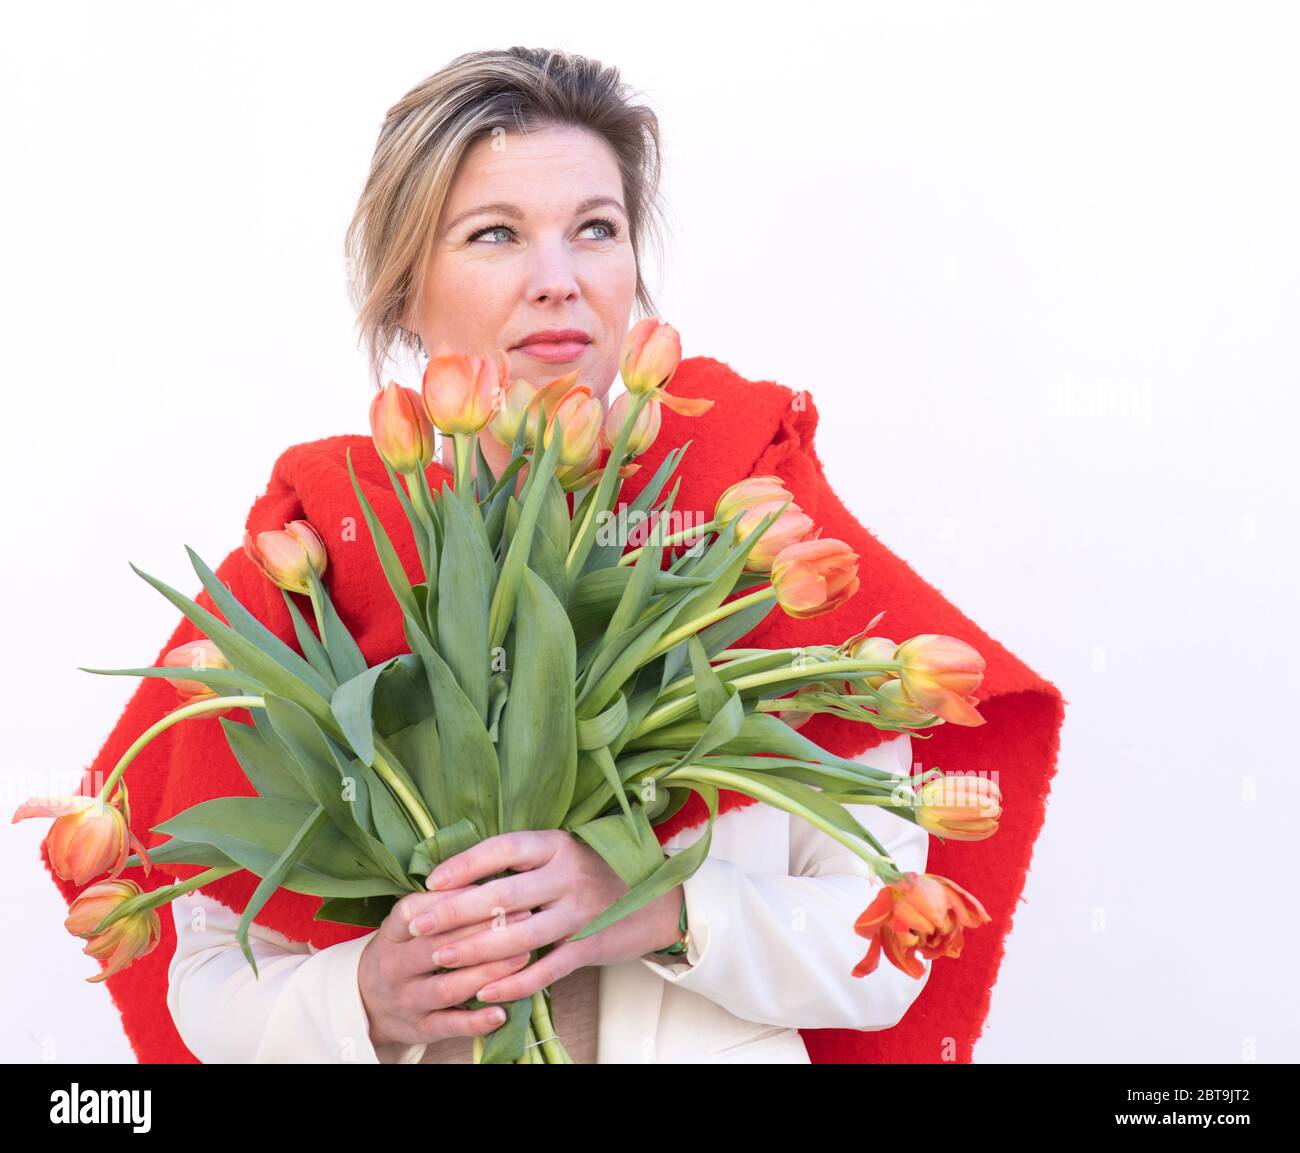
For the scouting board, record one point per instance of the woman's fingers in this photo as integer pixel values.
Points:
(542, 928)
(416, 953)
(446, 990)
(439, 912)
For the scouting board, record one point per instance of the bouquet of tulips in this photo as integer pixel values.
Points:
(555, 679)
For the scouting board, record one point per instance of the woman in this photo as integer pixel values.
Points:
(509, 200)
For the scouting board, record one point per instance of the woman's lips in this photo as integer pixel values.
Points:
(555, 353)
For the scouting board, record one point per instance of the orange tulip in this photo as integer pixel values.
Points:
(791, 526)
(581, 417)
(462, 393)
(89, 836)
(200, 654)
(747, 493)
(941, 673)
(960, 807)
(134, 936)
(651, 352)
(283, 555)
(921, 912)
(401, 429)
(644, 432)
(545, 400)
(814, 576)
(516, 401)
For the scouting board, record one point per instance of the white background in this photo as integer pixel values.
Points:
(1037, 264)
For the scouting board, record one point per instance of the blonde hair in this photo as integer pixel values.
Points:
(427, 133)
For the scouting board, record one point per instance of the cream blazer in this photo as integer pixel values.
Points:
(772, 946)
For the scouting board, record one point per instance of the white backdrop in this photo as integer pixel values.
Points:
(1037, 265)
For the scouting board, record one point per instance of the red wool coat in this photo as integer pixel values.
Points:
(753, 428)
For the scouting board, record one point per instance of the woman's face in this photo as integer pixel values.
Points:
(533, 237)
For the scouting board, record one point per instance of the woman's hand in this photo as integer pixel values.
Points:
(565, 880)
(407, 999)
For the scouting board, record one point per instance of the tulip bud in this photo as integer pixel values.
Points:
(960, 807)
(747, 493)
(651, 352)
(581, 417)
(200, 654)
(814, 576)
(644, 432)
(128, 939)
(284, 555)
(941, 674)
(865, 648)
(461, 393)
(516, 400)
(791, 526)
(898, 707)
(921, 912)
(401, 429)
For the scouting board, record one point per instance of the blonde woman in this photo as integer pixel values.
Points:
(510, 201)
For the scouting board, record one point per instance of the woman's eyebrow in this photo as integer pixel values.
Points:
(513, 210)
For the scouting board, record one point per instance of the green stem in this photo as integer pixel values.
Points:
(551, 1046)
(184, 713)
(319, 611)
(670, 539)
(609, 487)
(413, 804)
(156, 898)
(878, 860)
(684, 706)
(698, 623)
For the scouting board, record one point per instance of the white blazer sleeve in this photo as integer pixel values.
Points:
(780, 950)
(305, 1007)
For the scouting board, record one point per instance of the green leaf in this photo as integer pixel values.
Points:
(279, 872)
(217, 678)
(352, 705)
(389, 561)
(365, 911)
(401, 695)
(679, 867)
(343, 651)
(538, 746)
(324, 775)
(253, 831)
(471, 773)
(418, 748)
(602, 729)
(606, 553)
(308, 690)
(521, 544)
(445, 843)
(629, 847)
(251, 629)
(268, 770)
(466, 580)
(309, 642)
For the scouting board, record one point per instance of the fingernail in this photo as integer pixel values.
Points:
(487, 992)
(499, 1015)
(447, 956)
(437, 879)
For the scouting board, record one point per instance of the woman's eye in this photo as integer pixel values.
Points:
(487, 231)
(611, 229)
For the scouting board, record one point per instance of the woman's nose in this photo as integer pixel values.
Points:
(551, 278)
